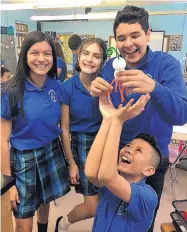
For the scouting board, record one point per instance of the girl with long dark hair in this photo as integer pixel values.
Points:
(30, 114)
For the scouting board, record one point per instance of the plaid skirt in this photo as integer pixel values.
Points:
(80, 145)
(41, 176)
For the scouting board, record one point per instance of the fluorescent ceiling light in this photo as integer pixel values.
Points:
(16, 6)
(97, 16)
(65, 3)
(56, 18)
(89, 16)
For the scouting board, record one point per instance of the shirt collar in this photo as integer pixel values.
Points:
(31, 87)
(78, 83)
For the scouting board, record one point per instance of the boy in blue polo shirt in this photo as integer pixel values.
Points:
(156, 73)
(126, 203)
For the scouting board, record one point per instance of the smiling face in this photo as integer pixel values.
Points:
(134, 159)
(90, 58)
(40, 58)
(131, 40)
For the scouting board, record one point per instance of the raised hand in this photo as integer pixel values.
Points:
(105, 105)
(130, 111)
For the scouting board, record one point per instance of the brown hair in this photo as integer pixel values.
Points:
(88, 42)
(59, 53)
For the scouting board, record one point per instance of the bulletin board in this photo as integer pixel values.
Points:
(175, 42)
(86, 36)
(67, 52)
(8, 52)
(21, 32)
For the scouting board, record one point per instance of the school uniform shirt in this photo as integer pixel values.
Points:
(84, 109)
(61, 64)
(168, 103)
(42, 112)
(114, 215)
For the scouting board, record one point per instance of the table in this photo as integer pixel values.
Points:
(6, 215)
(180, 133)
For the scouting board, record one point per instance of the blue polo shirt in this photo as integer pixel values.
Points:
(84, 109)
(168, 103)
(42, 113)
(114, 215)
(61, 64)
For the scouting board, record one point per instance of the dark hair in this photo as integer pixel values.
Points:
(151, 140)
(131, 15)
(74, 42)
(16, 85)
(4, 70)
(60, 53)
(90, 41)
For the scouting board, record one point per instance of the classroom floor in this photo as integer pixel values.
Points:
(66, 203)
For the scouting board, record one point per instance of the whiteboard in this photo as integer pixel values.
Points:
(156, 40)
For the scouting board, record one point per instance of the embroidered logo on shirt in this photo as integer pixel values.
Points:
(122, 208)
(52, 95)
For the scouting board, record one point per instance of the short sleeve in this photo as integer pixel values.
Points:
(143, 201)
(64, 98)
(5, 107)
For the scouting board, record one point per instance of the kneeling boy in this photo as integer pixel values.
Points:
(126, 203)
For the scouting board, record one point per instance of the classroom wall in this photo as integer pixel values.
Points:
(9, 18)
(172, 25)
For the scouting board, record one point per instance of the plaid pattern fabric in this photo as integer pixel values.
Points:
(41, 176)
(81, 144)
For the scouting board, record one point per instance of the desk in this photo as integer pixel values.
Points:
(180, 133)
(179, 136)
(6, 216)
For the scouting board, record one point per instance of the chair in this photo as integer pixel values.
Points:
(177, 152)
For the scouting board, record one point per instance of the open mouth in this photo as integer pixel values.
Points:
(40, 66)
(125, 160)
(88, 66)
(131, 52)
